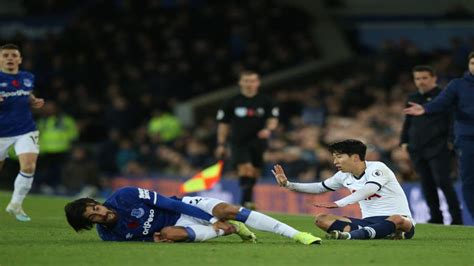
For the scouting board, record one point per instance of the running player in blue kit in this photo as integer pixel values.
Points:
(17, 127)
(137, 214)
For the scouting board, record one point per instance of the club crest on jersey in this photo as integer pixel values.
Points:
(138, 213)
(276, 111)
(240, 111)
(27, 82)
(220, 115)
(377, 173)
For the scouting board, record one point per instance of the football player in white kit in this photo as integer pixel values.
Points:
(384, 206)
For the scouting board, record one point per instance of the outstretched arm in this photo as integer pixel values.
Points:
(282, 180)
(181, 207)
(444, 102)
(366, 191)
(414, 109)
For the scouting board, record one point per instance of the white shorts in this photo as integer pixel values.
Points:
(26, 143)
(205, 204)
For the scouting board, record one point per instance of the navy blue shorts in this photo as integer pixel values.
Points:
(359, 223)
(367, 221)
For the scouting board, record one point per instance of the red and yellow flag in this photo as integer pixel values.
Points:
(206, 179)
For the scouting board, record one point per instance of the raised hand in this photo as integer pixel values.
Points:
(280, 176)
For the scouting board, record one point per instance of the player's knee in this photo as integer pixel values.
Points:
(398, 220)
(29, 168)
(323, 221)
(225, 211)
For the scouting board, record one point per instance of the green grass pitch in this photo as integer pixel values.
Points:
(48, 240)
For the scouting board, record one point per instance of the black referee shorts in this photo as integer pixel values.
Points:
(249, 152)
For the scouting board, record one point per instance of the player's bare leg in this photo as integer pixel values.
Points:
(171, 234)
(195, 233)
(262, 222)
(22, 186)
(403, 225)
(324, 221)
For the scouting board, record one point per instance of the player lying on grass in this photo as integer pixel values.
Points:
(374, 186)
(136, 214)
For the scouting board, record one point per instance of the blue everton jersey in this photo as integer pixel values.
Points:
(15, 114)
(142, 213)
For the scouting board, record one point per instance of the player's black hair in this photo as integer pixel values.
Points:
(470, 56)
(424, 68)
(75, 213)
(349, 147)
(9, 46)
(247, 72)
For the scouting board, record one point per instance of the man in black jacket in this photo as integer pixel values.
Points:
(426, 138)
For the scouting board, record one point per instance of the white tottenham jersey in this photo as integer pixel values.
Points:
(388, 200)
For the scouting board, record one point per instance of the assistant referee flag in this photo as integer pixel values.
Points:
(204, 180)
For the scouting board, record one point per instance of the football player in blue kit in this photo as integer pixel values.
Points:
(17, 127)
(137, 214)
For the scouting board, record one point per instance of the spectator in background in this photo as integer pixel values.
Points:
(58, 131)
(458, 94)
(426, 138)
(80, 174)
(251, 118)
(164, 126)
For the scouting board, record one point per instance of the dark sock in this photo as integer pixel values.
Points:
(410, 234)
(246, 185)
(377, 231)
(360, 234)
(339, 226)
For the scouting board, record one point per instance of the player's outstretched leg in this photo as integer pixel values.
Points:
(262, 222)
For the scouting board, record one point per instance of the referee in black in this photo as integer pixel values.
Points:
(249, 118)
(426, 138)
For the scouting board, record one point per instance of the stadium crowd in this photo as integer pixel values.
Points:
(137, 59)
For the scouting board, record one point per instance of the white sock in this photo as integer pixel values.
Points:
(266, 223)
(204, 232)
(22, 186)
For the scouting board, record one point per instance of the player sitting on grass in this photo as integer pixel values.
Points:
(136, 214)
(374, 186)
